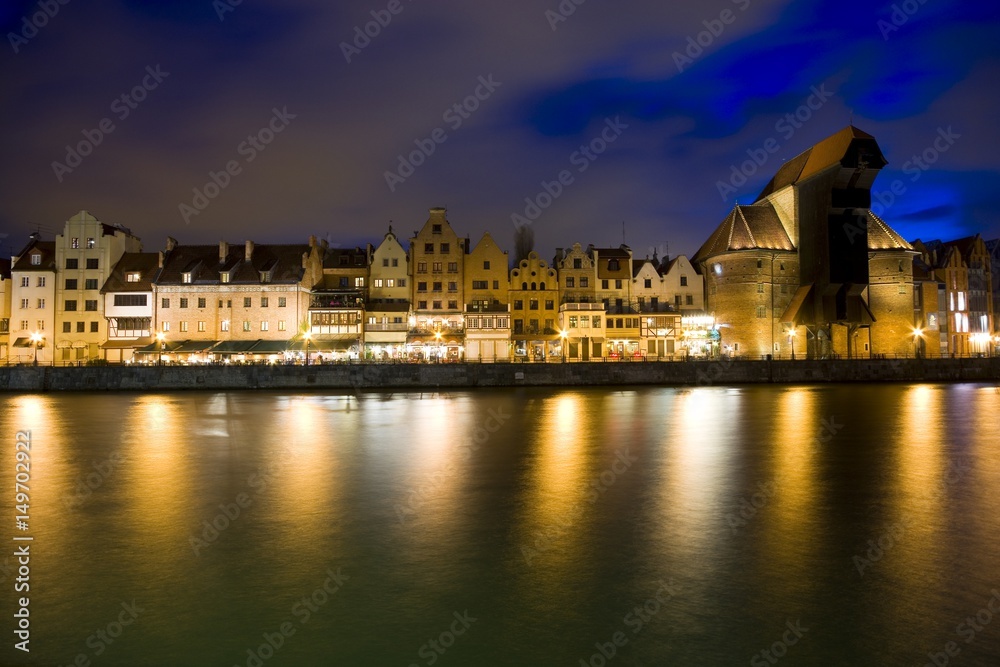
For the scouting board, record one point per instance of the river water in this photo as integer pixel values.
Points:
(814, 525)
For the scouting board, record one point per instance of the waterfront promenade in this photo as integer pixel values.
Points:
(368, 375)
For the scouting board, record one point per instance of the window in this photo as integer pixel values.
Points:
(282, 302)
(452, 267)
(647, 283)
(66, 327)
(224, 325)
(421, 267)
(79, 327)
(429, 248)
(395, 261)
(445, 248)
(604, 284)
(264, 302)
(453, 305)
(519, 326)
(422, 305)
(25, 281)
(90, 283)
(781, 266)
(359, 282)
(24, 325)
(689, 300)
(246, 325)
(570, 282)
(92, 263)
(436, 267)
(164, 302)
(480, 284)
(533, 304)
(613, 265)
(184, 327)
(549, 304)
(184, 303)
(281, 325)
(760, 263)
(90, 304)
(223, 277)
(201, 326)
(377, 282)
(496, 284)
(166, 326)
(75, 243)
(437, 287)
(518, 304)
(36, 259)
(902, 288)
(72, 263)
(247, 302)
(70, 306)
(71, 283)
(900, 266)
(436, 229)
(41, 281)
(344, 281)
(618, 284)
(132, 277)
(486, 264)
(684, 281)
(201, 302)
(452, 287)
(385, 261)
(422, 286)
(41, 304)
(761, 311)
(436, 305)
(25, 304)
(760, 288)
(577, 263)
(90, 243)
(390, 282)
(263, 326)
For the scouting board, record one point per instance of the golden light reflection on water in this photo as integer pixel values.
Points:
(920, 463)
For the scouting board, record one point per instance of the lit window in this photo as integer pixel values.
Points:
(201, 325)
(166, 326)
(246, 325)
(90, 243)
(281, 325)
(263, 326)
(75, 244)
(184, 327)
(186, 277)
(224, 277)
(225, 325)
(377, 282)
(132, 277)
(36, 259)
(25, 281)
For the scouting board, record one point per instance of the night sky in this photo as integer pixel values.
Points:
(673, 117)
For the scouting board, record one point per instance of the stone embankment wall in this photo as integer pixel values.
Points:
(416, 376)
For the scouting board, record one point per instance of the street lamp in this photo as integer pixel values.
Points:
(162, 338)
(307, 335)
(563, 335)
(437, 338)
(917, 333)
(36, 340)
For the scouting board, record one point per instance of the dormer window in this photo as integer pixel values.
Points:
(613, 265)
(224, 277)
(186, 277)
(435, 229)
(265, 276)
(36, 259)
(132, 277)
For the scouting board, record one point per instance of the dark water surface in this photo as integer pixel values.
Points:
(829, 525)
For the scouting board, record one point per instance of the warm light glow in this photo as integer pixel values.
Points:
(918, 332)
(37, 338)
(160, 337)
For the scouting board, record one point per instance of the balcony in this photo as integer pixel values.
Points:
(473, 308)
(344, 301)
(387, 326)
(586, 307)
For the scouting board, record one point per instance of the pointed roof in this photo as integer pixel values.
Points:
(827, 153)
(746, 228)
(146, 264)
(883, 237)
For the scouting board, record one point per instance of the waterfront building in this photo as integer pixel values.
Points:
(613, 278)
(656, 297)
(683, 285)
(128, 305)
(437, 262)
(487, 308)
(86, 251)
(337, 305)
(233, 302)
(5, 296)
(32, 308)
(807, 267)
(577, 275)
(387, 311)
(534, 294)
(993, 247)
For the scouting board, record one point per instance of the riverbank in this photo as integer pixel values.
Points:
(29, 379)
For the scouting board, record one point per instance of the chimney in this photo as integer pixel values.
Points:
(248, 253)
(305, 260)
(223, 251)
(162, 257)
(312, 241)
(171, 243)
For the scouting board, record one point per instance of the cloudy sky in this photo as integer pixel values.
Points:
(335, 118)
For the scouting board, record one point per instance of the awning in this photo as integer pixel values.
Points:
(192, 346)
(154, 348)
(125, 344)
(271, 346)
(63, 344)
(23, 342)
(793, 312)
(234, 347)
(79, 344)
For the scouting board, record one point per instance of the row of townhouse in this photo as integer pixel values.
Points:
(93, 294)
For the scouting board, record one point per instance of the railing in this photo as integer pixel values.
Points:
(387, 326)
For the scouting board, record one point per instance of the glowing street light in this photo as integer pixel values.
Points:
(563, 335)
(307, 335)
(36, 340)
(162, 338)
(917, 335)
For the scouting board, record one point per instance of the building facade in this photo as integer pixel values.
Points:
(388, 309)
(437, 297)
